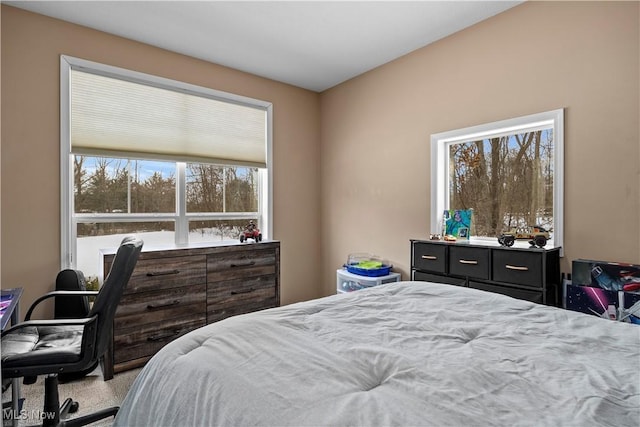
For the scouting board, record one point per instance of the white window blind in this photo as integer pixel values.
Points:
(123, 118)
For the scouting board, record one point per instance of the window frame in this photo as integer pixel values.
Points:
(69, 219)
(440, 143)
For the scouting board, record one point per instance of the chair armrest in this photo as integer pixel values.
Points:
(53, 322)
(57, 294)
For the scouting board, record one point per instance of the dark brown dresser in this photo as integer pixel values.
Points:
(174, 291)
(531, 274)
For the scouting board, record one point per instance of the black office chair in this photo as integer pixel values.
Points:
(52, 347)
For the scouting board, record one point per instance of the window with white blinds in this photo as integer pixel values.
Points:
(170, 161)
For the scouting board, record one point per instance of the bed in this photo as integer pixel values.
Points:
(406, 354)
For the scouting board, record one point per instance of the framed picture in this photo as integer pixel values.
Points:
(457, 223)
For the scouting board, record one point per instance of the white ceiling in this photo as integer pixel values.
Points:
(310, 44)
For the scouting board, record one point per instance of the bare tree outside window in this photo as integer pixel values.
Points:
(506, 180)
(110, 192)
(224, 189)
(105, 185)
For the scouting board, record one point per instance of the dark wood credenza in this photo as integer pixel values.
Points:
(177, 290)
(531, 274)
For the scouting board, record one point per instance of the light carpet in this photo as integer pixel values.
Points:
(91, 392)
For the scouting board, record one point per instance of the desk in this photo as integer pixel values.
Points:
(10, 310)
(9, 306)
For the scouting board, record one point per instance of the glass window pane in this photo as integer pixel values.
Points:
(100, 185)
(217, 230)
(153, 186)
(241, 189)
(94, 237)
(111, 185)
(507, 181)
(205, 184)
(212, 188)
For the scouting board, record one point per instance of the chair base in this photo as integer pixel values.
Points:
(54, 414)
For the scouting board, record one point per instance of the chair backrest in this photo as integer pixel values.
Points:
(71, 307)
(111, 290)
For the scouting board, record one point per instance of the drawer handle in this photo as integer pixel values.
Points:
(472, 262)
(516, 267)
(169, 304)
(433, 257)
(246, 291)
(162, 273)
(163, 336)
(246, 264)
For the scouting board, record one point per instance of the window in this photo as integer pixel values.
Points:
(171, 162)
(509, 172)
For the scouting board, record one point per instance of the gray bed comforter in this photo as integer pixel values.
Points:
(406, 354)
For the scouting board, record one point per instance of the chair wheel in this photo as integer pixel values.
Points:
(74, 407)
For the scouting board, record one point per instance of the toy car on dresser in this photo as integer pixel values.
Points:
(251, 232)
(536, 235)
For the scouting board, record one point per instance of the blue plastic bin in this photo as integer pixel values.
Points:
(370, 272)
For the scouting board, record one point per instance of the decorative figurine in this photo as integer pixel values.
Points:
(251, 232)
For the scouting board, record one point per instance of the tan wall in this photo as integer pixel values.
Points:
(536, 57)
(30, 172)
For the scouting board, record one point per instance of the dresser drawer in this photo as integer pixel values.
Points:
(430, 257)
(157, 306)
(523, 294)
(469, 261)
(519, 267)
(221, 313)
(426, 277)
(230, 297)
(141, 341)
(241, 264)
(167, 272)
